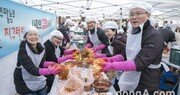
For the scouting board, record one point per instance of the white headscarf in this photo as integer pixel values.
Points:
(147, 7)
(84, 24)
(69, 22)
(28, 29)
(56, 33)
(88, 19)
(110, 25)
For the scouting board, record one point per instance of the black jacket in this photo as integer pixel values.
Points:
(119, 45)
(51, 56)
(65, 31)
(24, 60)
(101, 36)
(167, 34)
(50, 51)
(151, 53)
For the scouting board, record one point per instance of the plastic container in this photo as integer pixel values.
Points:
(174, 57)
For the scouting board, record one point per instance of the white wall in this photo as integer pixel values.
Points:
(7, 66)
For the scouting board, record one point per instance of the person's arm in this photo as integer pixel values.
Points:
(64, 58)
(50, 52)
(28, 64)
(102, 37)
(62, 51)
(150, 53)
(107, 52)
(122, 66)
(65, 34)
(88, 44)
(44, 62)
(115, 58)
(172, 39)
(119, 45)
(68, 45)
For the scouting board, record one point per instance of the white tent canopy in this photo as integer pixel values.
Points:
(163, 9)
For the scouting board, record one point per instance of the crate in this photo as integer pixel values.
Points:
(168, 81)
(174, 57)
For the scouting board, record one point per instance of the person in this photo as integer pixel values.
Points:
(144, 49)
(116, 45)
(54, 50)
(53, 46)
(177, 34)
(168, 35)
(29, 72)
(116, 42)
(64, 29)
(125, 30)
(156, 25)
(96, 36)
(83, 25)
(120, 31)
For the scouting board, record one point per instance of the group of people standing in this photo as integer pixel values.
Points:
(139, 52)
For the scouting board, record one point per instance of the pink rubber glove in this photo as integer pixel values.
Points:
(122, 66)
(100, 55)
(48, 71)
(100, 47)
(64, 58)
(88, 45)
(69, 51)
(116, 58)
(48, 63)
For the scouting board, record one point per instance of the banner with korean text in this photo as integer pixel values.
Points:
(13, 18)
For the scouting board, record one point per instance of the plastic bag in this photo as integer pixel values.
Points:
(73, 86)
(129, 80)
(85, 74)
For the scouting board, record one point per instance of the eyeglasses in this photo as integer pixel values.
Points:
(137, 14)
(58, 38)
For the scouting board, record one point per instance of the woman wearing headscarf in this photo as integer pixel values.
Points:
(144, 48)
(96, 36)
(29, 72)
(116, 42)
(177, 34)
(54, 50)
(65, 29)
(116, 46)
(53, 46)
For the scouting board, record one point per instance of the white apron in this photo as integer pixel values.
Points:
(129, 80)
(57, 52)
(34, 83)
(110, 47)
(94, 39)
